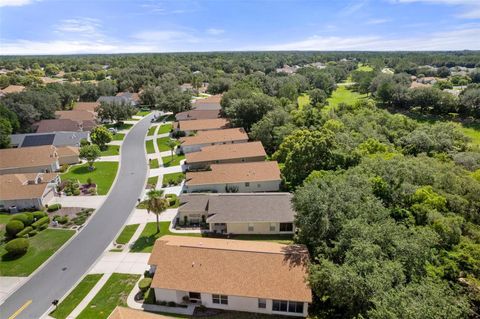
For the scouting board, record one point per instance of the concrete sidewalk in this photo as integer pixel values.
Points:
(9, 284)
(141, 216)
(121, 262)
(79, 201)
(113, 158)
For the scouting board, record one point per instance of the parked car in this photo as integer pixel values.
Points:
(113, 130)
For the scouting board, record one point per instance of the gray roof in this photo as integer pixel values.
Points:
(206, 106)
(62, 138)
(115, 99)
(241, 207)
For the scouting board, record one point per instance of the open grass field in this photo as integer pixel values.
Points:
(113, 293)
(154, 163)
(166, 128)
(112, 150)
(172, 161)
(144, 243)
(364, 67)
(143, 113)
(151, 130)
(42, 246)
(167, 178)
(303, 100)
(75, 296)
(473, 132)
(103, 175)
(163, 143)
(343, 95)
(118, 137)
(149, 146)
(126, 234)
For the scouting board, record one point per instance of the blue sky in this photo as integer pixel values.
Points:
(116, 26)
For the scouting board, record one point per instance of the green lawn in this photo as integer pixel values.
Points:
(118, 137)
(143, 113)
(111, 150)
(166, 128)
(343, 95)
(122, 126)
(4, 218)
(149, 146)
(126, 234)
(152, 181)
(154, 163)
(303, 100)
(42, 246)
(103, 175)
(163, 143)
(172, 176)
(75, 296)
(473, 132)
(172, 161)
(364, 67)
(151, 130)
(113, 293)
(144, 243)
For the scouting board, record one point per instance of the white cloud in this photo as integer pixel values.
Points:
(166, 36)
(214, 31)
(377, 21)
(353, 7)
(15, 3)
(86, 26)
(470, 8)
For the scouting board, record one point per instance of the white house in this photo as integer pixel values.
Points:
(259, 277)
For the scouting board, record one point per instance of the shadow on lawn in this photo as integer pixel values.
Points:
(82, 170)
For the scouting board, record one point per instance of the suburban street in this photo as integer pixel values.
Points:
(74, 260)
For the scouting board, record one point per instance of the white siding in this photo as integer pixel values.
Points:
(267, 186)
(258, 228)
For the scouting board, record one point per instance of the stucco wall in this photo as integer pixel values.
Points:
(268, 186)
(198, 165)
(32, 169)
(258, 228)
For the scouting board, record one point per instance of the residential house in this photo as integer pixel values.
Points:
(37, 159)
(76, 115)
(68, 155)
(201, 125)
(129, 313)
(210, 103)
(26, 191)
(117, 100)
(57, 125)
(197, 115)
(237, 177)
(54, 138)
(86, 106)
(225, 153)
(12, 89)
(134, 97)
(258, 277)
(237, 213)
(205, 138)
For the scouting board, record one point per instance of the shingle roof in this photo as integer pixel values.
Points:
(260, 207)
(17, 186)
(231, 267)
(114, 99)
(68, 151)
(193, 203)
(85, 106)
(215, 136)
(76, 115)
(13, 89)
(45, 126)
(27, 156)
(226, 151)
(128, 313)
(200, 125)
(235, 173)
(209, 103)
(197, 115)
(132, 96)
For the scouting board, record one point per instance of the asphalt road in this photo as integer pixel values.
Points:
(73, 261)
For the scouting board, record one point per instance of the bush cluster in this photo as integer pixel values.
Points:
(54, 207)
(18, 246)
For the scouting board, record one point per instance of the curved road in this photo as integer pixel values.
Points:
(74, 260)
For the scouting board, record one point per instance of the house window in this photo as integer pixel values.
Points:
(280, 305)
(250, 227)
(296, 307)
(272, 227)
(258, 185)
(220, 299)
(195, 295)
(286, 227)
(247, 184)
(262, 303)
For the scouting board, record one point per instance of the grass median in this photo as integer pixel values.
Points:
(103, 175)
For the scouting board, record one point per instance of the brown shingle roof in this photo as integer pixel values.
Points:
(17, 186)
(127, 313)
(215, 136)
(13, 89)
(211, 99)
(75, 115)
(226, 151)
(85, 106)
(45, 126)
(197, 115)
(28, 156)
(235, 173)
(68, 151)
(201, 125)
(231, 267)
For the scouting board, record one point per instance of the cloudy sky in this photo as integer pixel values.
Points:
(117, 26)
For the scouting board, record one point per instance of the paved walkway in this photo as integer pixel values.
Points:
(115, 143)
(84, 303)
(79, 201)
(121, 262)
(8, 285)
(113, 158)
(141, 216)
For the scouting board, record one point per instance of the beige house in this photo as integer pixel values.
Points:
(215, 137)
(237, 177)
(258, 277)
(29, 190)
(258, 213)
(226, 153)
(129, 313)
(68, 155)
(197, 115)
(35, 159)
(191, 126)
(86, 106)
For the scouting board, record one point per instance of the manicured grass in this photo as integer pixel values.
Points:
(111, 150)
(113, 293)
(103, 175)
(144, 243)
(149, 146)
(76, 296)
(4, 218)
(42, 246)
(172, 161)
(343, 95)
(172, 177)
(154, 163)
(163, 143)
(152, 181)
(151, 130)
(126, 234)
(473, 132)
(166, 128)
(303, 100)
(143, 113)
(364, 67)
(118, 137)
(123, 126)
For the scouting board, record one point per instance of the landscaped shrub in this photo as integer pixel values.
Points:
(149, 297)
(76, 192)
(144, 284)
(63, 168)
(162, 303)
(24, 232)
(25, 218)
(171, 304)
(13, 227)
(39, 214)
(54, 207)
(42, 227)
(18, 246)
(42, 221)
(61, 219)
(32, 233)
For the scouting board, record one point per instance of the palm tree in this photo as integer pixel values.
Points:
(172, 145)
(156, 204)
